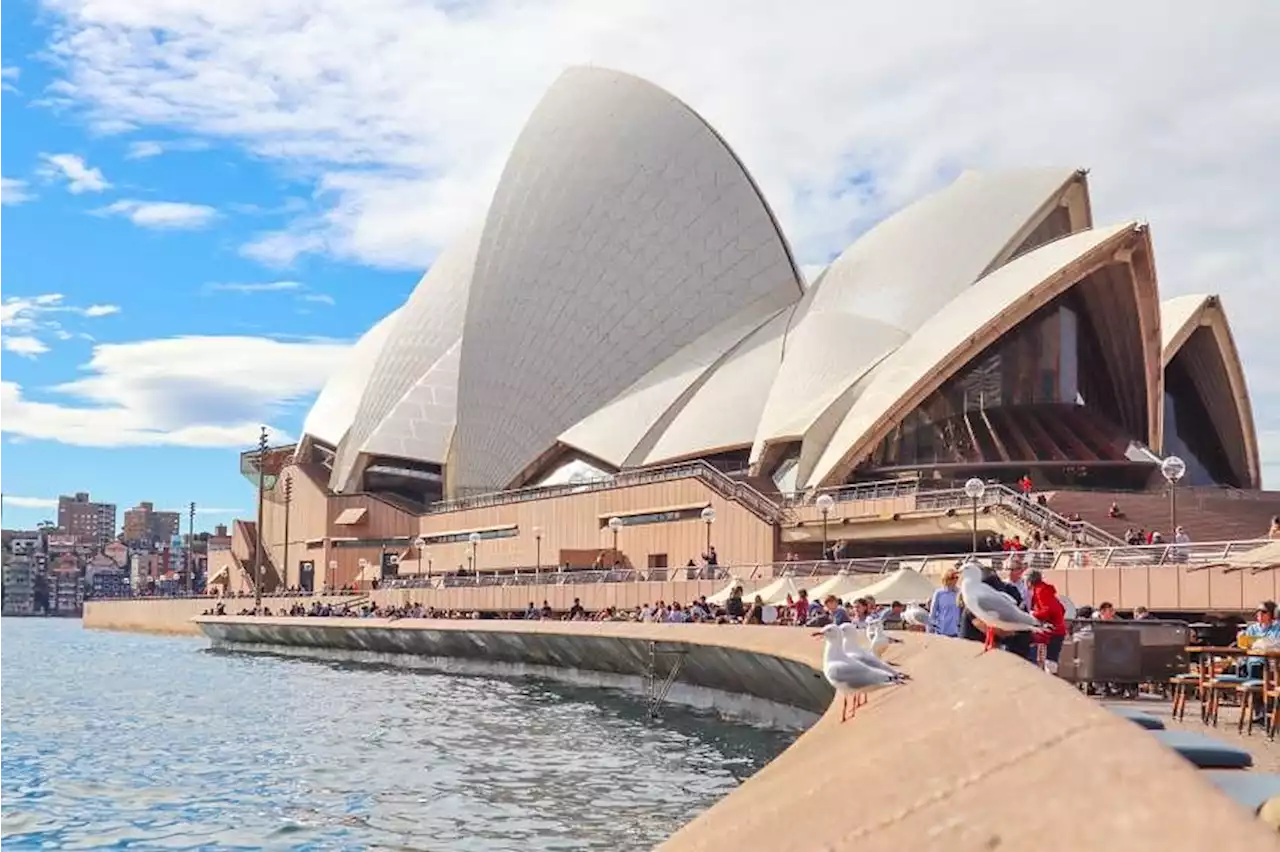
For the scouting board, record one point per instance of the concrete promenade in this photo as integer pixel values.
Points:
(977, 752)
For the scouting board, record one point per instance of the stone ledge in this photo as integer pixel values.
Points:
(978, 752)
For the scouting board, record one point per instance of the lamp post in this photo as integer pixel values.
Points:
(420, 544)
(1173, 469)
(262, 490)
(284, 557)
(537, 563)
(708, 518)
(974, 489)
(825, 503)
(474, 538)
(191, 543)
(363, 565)
(615, 524)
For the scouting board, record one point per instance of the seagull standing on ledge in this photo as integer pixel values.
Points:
(916, 616)
(992, 607)
(849, 632)
(849, 676)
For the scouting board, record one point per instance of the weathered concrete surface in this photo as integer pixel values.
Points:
(173, 615)
(978, 752)
(710, 657)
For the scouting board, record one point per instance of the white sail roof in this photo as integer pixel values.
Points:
(429, 324)
(335, 406)
(993, 300)
(623, 230)
(895, 277)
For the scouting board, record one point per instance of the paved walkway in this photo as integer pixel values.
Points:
(1266, 753)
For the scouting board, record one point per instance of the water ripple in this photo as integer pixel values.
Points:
(114, 741)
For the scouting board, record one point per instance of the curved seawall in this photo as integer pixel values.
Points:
(977, 752)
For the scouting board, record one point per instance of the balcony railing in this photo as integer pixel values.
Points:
(720, 482)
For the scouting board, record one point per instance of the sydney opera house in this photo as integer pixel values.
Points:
(626, 341)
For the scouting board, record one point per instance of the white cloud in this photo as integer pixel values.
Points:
(319, 298)
(14, 191)
(27, 315)
(143, 149)
(261, 287)
(80, 177)
(24, 345)
(162, 215)
(30, 502)
(9, 74)
(216, 510)
(23, 313)
(402, 111)
(181, 391)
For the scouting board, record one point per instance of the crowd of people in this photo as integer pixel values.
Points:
(946, 614)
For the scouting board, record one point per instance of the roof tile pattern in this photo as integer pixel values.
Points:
(623, 229)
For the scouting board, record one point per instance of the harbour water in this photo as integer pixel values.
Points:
(125, 741)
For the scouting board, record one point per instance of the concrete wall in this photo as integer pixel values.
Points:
(943, 751)
(712, 661)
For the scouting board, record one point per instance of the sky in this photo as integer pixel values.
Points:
(205, 204)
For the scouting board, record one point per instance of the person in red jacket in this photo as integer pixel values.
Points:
(1046, 608)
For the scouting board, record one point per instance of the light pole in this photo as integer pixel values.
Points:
(825, 503)
(615, 524)
(974, 489)
(537, 560)
(708, 518)
(421, 544)
(262, 490)
(363, 565)
(1173, 469)
(284, 557)
(191, 543)
(474, 538)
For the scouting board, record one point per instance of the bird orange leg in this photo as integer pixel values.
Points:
(844, 709)
(991, 640)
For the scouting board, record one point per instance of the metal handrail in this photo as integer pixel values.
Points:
(1190, 556)
(882, 489)
(719, 481)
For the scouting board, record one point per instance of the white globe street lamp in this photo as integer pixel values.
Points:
(474, 538)
(537, 564)
(421, 544)
(825, 503)
(615, 524)
(1173, 469)
(974, 489)
(708, 518)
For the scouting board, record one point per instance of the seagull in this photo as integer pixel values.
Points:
(849, 633)
(877, 641)
(916, 616)
(992, 607)
(849, 676)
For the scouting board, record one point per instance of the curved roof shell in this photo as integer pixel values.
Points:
(623, 230)
(335, 406)
(981, 314)
(876, 294)
(624, 430)
(428, 326)
(1195, 328)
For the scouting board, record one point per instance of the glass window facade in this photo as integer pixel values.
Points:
(1036, 363)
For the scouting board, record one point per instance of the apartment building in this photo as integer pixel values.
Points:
(144, 525)
(19, 586)
(88, 521)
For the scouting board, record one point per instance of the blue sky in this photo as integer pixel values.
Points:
(205, 203)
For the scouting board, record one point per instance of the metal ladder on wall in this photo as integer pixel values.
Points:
(656, 690)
